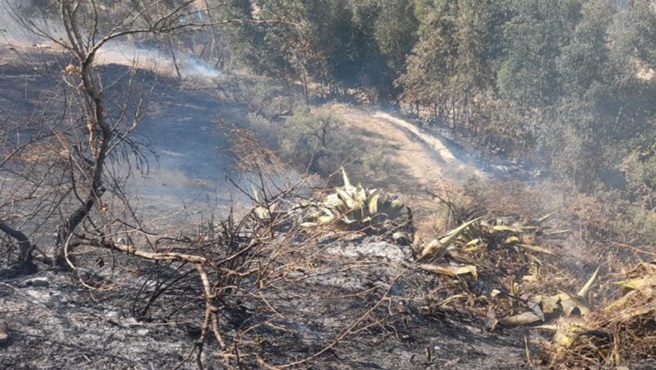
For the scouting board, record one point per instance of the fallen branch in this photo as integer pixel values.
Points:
(155, 256)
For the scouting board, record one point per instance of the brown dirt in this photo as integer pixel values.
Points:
(421, 165)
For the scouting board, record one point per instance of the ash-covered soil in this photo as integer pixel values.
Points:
(340, 303)
(345, 302)
(54, 323)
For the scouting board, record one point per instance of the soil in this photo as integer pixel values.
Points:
(355, 306)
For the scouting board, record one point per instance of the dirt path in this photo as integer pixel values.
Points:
(426, 159)
(421, 163)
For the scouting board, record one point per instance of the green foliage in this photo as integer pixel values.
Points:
(336, 42)
(318, 141)
(566, 82)
(639, 168)
(534, 38)
(315, 140)
(453, 64)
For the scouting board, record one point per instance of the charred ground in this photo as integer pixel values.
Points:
(343, 300)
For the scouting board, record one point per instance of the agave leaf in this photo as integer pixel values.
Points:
(433, 247)
(550, 327)
(620, 302)
(332, 201)
(535, 307)
(586, 288)
(261, 213)
(392, 209)
(396, 204)
(347, 220)
(371, 192)
(635, 284)
(345, 179)
(571, 303)
(506, 228)
(360, 197)
(512, 239)
(467, 269)
(472, 245)
(451, 270)
(472, 242)
(455, 233)
(535, 248)
(326, 219)
(550, 304)
(438, 247)
(455, 297)
(514, 288)
(373, 203)
(545, 218)
(346, 198)
(523, 318)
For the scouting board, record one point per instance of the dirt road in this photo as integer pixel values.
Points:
(427, 160)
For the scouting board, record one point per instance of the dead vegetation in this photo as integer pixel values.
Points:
(619, 333)
(510, 271)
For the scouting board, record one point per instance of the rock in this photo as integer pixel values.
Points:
(4, 333)
(37, 282)
(402, 238)
(370, 249)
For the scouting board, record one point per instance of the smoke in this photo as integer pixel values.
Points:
(155, 56)
(11, 29)
(197, 67)
(142, 53)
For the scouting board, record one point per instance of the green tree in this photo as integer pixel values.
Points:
(453, 64)
(395, 31)
(534, 38)
(433, 57)
(303, 40)
(605, 105)
(315, 141)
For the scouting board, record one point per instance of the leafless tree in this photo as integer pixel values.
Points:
(95, 125)
(56, 163)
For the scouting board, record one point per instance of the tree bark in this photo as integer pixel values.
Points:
(24, 244)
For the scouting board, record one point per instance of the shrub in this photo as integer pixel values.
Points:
(316, 140)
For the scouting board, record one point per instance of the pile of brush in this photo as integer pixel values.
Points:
(506, 272)
(622, 332)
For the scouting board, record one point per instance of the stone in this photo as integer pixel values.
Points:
(37, 282)
(4, 333)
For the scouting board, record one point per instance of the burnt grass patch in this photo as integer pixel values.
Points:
(328, 300)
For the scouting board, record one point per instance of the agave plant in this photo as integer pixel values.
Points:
(356, 207)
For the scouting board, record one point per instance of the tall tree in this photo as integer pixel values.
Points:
(433, 57)
(534, 38)
(92, 129)
(395, 31)
(454, 59)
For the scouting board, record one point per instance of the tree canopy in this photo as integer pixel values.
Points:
(567, 84)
